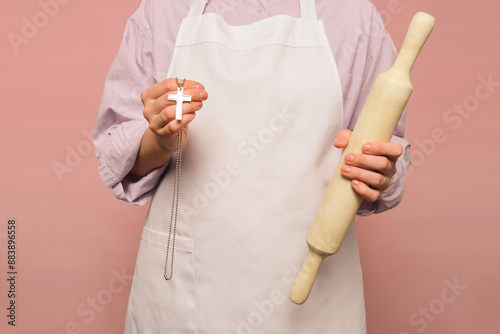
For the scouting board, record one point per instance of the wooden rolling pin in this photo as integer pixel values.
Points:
(378, 120)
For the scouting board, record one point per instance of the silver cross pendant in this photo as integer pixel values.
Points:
(179, 98)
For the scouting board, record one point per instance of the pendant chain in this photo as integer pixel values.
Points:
(175, 209)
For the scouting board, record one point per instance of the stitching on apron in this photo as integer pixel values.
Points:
(160, 238)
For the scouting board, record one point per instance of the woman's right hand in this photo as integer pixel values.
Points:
(159, 142)
(160, 111)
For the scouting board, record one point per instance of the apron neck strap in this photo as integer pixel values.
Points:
(307, 9)
(197, 8)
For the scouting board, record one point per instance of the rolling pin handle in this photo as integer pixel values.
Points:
(305, 279)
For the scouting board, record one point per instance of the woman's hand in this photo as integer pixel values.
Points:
(159, 142)
(372, 170)
(160, 111)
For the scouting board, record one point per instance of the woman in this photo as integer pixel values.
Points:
(287, 79)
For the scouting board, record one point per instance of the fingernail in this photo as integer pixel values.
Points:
(346, 169)
(203, 94)
(349, 158)
(199, 104)
(355, 182)
(197, 86)
(367, 147)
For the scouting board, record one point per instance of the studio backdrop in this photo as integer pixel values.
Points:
(431, 265)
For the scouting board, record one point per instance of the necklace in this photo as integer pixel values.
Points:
(177, 179)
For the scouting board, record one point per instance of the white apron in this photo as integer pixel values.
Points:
(258, 160)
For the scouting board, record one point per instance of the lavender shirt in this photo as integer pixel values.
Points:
(361, 46)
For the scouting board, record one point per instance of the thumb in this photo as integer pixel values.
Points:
(342, 138)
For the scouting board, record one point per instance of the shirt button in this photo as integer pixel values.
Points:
(260, 8)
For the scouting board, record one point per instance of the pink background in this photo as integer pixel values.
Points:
(74, 237)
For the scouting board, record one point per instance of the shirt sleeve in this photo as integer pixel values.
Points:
(380, 56)
(120, 122)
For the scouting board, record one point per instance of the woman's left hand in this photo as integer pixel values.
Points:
(372, 170)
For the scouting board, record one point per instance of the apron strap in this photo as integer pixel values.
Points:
(307, 9)
(197, 8)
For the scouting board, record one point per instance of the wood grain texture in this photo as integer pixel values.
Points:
(377, 122)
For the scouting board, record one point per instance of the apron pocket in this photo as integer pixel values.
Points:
(157, 305)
